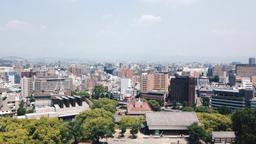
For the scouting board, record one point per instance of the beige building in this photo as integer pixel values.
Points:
(245, 70)
(156, 81)
(46, 86)
(26, 86)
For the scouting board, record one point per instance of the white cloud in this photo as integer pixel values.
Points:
(149, 20)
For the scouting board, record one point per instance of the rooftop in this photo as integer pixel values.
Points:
(223, 134)
(138, 108)
(170, 120)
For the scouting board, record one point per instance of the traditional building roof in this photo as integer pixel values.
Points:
(170, 120)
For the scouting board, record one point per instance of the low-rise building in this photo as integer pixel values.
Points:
(231, 98)
(170, 122)
(223, 137)
(137, 108)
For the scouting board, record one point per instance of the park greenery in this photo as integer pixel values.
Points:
(100, 91)
(43, 131)
(21, 110)
(244, 125)
(81, 93)
(132, 123)
(106, 104)
(214, 122)
(197, 133)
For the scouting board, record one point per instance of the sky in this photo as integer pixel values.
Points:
(128, 29)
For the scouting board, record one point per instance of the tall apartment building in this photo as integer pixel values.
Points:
(161, 81)
(156, 81)
(125, 73)
(75, 70)
(252, 61)
(182, 90)
(146, 82)
(47, 86)
(246, 70)
(26, 86)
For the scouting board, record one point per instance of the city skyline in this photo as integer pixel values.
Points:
(148, 30)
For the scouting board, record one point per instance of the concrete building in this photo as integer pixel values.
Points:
(223, 137)
(161, 81)
(156, 81)
(182, 90)
(246, 70)
(47, 86)
(252, 61)
(75, 70)
(26, 87)
(147, 82)
(9, 103)
(126, 84)
(231, 98)
(253, 102)
(169, 122)
(125, 73)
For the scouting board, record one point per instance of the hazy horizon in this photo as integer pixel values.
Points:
(140, 30)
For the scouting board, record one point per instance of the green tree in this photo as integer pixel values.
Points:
(93, 125)
(188, 109)
(21, 110)
(214, 79)
(244, 125)
(205, 101)
(100, 91)
(154, 105)
(133, 123)
(43, 131)
(204, 109)
(106, 104)
(224, 110)
(196, 133)
(214, 122)
(83, 94)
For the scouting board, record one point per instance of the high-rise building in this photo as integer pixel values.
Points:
(146, 82)
(156, 81)
(126, 84)
(252, 61)
(75, 70)
(182, 90)
(161, 81)
(26, 86)
(48, 86)
(246, 70)
(125, 73)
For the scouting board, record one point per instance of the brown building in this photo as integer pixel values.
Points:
(75, 70)
(246, 70)
(147, 82)
(182, 90)
(125, 73)
(156, 81)
(137, 108)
